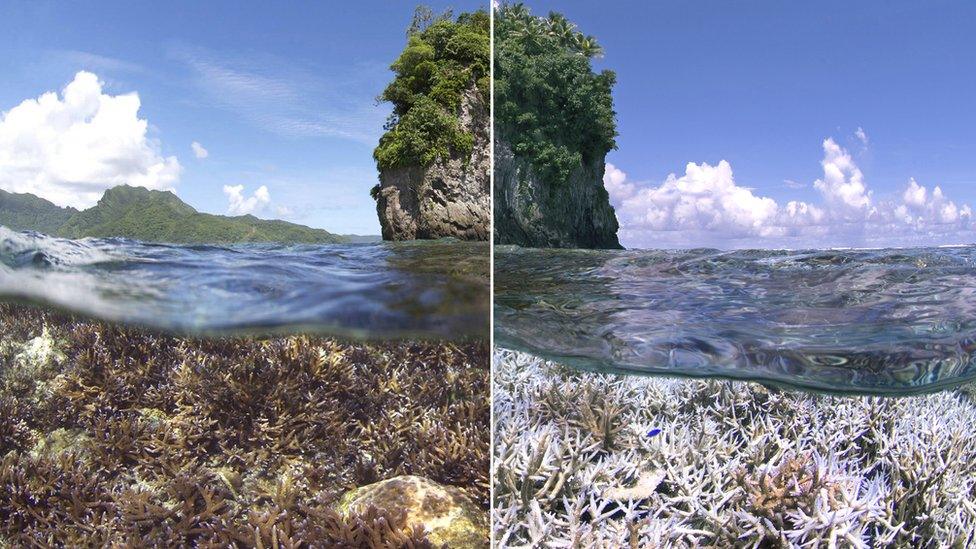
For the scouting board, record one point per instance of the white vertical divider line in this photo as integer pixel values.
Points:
(491, 273)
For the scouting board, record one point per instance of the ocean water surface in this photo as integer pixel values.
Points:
(892, 321)
(436, 289)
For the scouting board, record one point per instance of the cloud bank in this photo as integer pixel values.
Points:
(70, 148)
(238, 204)
(707, 207)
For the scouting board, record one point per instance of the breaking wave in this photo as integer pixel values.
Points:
(405, 289)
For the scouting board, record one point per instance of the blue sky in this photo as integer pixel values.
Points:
(762, 85)
(280, 97)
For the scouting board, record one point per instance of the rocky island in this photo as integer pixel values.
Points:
(554, 124)
(435, 157)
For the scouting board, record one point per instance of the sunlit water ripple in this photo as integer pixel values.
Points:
(404, 289)
(851, 321)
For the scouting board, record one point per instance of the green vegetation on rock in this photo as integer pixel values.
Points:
(549, 104)
(158, 216)
(444, 57)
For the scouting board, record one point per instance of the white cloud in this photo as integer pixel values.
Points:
(921, 208)
(199, 151)
(915, 194)
(705, 198)
(706, 207)
(238, 204)
(861, 135)
(842, 185)
(800, 214)
(615, 180)
(70, 148)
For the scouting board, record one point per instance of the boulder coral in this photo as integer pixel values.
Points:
(446, 513)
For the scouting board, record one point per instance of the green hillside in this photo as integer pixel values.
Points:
(156, 216)
(26, 212)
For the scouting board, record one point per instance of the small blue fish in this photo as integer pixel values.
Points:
(653, 432)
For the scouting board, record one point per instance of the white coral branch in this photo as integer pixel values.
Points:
(596, 460)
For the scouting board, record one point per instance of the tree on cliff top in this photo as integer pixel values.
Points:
(443, 58)
(549, 104)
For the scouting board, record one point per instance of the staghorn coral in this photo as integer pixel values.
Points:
(129, 437)
(579, 463)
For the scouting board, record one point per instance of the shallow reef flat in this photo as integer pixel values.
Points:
(602, 460)
(117, 436)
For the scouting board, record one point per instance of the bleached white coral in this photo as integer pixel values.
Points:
(597, 460)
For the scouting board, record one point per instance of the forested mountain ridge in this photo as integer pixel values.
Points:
(154, 216)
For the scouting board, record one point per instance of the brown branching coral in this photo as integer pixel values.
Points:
(776, 494)
(134, 437)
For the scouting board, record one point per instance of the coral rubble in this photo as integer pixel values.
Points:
(119, 436)
(598, 460)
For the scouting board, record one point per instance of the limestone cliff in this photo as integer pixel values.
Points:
(449, 198)
(575, 213)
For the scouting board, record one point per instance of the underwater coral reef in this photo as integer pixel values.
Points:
(114, 436)
(600, 460)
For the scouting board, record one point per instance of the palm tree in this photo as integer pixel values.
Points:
(511, 18)
(529, 29)
(559, 27)
(515, 11)
(588, 46)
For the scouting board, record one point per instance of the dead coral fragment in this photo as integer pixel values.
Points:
(60, 441)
